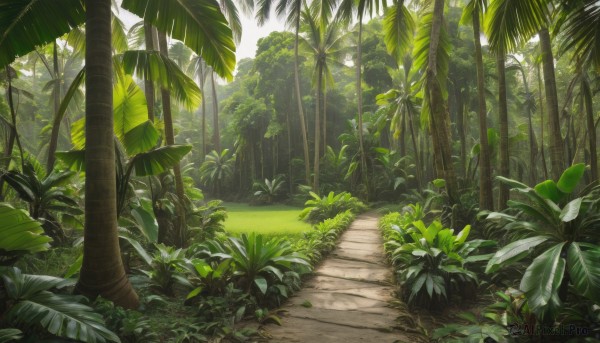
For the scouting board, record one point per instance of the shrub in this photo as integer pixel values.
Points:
(269, 190)
(561, 234)
(318, 209)
(28, 303)
(431, 262)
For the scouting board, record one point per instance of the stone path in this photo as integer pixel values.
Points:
(348, 299)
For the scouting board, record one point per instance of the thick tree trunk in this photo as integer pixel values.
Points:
(300, 109)
(557, 154)
(180, 225)
(486, 196)
(438, 111)
(102, 271)
(148, 85)
(503, 168)
(216, 133)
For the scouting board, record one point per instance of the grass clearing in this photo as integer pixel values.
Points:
(272, 220)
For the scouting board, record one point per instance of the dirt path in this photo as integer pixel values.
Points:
(348, 299)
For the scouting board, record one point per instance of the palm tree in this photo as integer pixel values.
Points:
(486, 200)
(324, 41)
(293, 9)
(510, 23)
(362, 8)
(102, 271)
(216, 168)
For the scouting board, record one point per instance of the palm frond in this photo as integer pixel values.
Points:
(199, 24)
(398, 27)
(25, 24)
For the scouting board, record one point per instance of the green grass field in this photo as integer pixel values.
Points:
(273, 220)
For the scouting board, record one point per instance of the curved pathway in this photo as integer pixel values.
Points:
(348, 299)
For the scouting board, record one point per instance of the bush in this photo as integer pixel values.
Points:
(319, 209)
(431, 261)
(321, 240)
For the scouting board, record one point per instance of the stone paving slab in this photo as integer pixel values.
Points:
(348, 298)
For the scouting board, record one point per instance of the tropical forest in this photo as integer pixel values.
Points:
(304, 171)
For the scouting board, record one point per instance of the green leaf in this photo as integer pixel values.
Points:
(194, 293)
(570, 178)
(462, 235)
(159, 160)
(75, 267)
(147, 223)
(153, 66)
(261, 282)
(439, 183)
(74, 159)
(541, 282)
(141, 138)
(9, 335)
(584, 269)
(27, 24)
(129, 106)
(398, 28)
(139, 249)
(548, 190)
(20, 233)
(513, 252)
(571, 210)
(199, 24)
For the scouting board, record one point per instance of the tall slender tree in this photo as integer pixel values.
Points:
(102, 271)
(291, 9)
(475, 9)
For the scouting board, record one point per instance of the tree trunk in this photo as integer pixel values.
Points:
(503, 167)
(438, 111)
(216, 133)
(180, 225)
(102, 271)
(317, 130)
(201, 79)
(591, 130)
(324, 121)
(148, 85)
(486, 199)
(542, 154)
(56, 122)
(300, 109)
(418, 169)
(557, 154)
(460, 127)
(361, 146)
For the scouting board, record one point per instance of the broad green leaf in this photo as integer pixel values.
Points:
(147, 223)
(463, 234)
(19, 232)
(570, 178)
(571, 210)
(439, 183)
(153, 66)
(584, 269)
(75, 267)
(159, 160)
(27, 24)
(541, 282)
(129, 106)
(74, 159)
(141, 138)
(512, 183)
(398, 29)
(261, 282)
(139, 249)
(199, 24)
(548, 190)
(513, 252)
(78, 134)
(194, 292)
